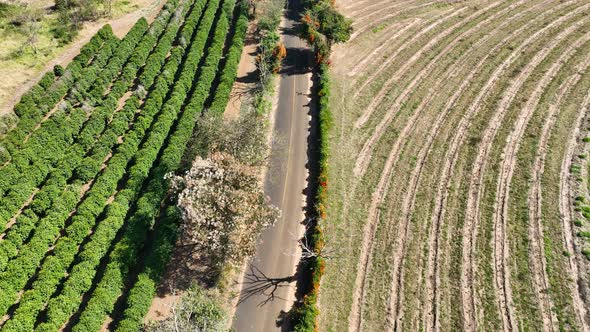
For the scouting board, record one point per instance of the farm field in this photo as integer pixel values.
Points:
(459, 167)
(86, 227)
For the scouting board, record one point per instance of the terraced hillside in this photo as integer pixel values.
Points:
(459, 167)
(85, 232)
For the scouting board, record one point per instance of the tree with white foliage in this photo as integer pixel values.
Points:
(223, 208)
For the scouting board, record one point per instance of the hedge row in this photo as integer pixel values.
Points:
(82, 274)
(123, 257)
(306, 312)
(92, 128)
(57, 179)
(35, 105)
(51, 272)
(31, 164)
(140, 295)
(232, 60)
(23, 267)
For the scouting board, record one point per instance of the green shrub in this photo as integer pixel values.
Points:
(58, 70)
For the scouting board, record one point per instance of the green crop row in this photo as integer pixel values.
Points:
(31, 109)
(51, 272)
(140, 295)
(60, 175)
(36, 102)
(48, 229)
(32, 163)
(232, 60)
(124, 254)
(82, 274)
(97, 122)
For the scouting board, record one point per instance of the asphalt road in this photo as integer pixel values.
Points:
(268, 288)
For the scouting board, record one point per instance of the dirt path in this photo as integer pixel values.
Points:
(507, 169)
(245, 81)
(121, 25)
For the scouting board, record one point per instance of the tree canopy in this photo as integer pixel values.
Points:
(322, 26)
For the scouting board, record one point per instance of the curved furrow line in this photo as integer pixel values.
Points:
(433, 24)
(535, 227)
(501, 270)
(451, 156)
(369, 228)
(566, 206)
(425, 150)
(430, 314)
(375, 7)
(507, 170)
(368, 234)
(384, 89)
(369, 59)
(359, 30)
(369, 19)
(365, 154)
(382, 188)
(350, 4)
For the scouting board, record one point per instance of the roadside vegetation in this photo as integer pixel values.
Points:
(322, 26)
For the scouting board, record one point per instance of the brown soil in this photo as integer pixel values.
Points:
(244, 80)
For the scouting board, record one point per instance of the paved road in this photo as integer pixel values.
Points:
(268, 288)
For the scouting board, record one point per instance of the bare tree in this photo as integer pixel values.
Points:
(308, 249)
(28, 21)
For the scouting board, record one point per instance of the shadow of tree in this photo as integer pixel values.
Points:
(257, 283)
(185, 268)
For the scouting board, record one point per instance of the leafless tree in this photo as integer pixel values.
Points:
(307, 248)
(28, 21)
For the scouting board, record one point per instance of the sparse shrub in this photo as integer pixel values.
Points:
(199, 310)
